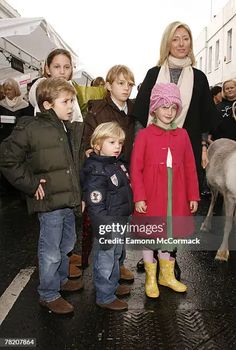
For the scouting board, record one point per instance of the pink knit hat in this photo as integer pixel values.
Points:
(165, 95)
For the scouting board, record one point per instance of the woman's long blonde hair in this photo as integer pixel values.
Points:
(167, 38)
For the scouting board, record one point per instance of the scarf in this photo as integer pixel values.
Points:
(185, 83)
(161, 125)
(15, 104)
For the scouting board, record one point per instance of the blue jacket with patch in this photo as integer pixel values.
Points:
(106, 191)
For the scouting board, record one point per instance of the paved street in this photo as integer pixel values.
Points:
(202, 318)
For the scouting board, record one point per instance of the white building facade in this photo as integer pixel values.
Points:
(215, 47)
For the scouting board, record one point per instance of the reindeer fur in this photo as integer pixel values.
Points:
(221, 178)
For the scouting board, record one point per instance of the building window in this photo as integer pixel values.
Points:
(217, 54)
(210, 60)
(229, 45)
(200, 63)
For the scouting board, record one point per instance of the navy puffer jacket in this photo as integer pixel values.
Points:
(106, 190)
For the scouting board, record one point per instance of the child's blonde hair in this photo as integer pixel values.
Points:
(115, 71)
(49, 90)
(104, 131)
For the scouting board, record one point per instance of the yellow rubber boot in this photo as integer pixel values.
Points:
(151, 288)
(167, 276)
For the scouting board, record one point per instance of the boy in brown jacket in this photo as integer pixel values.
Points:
(116, 106)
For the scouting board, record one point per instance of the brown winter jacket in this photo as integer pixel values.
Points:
(103, 111)
(38, 148)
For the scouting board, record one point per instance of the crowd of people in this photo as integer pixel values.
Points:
(114, 162)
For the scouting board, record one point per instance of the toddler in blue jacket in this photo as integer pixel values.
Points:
(108, 198)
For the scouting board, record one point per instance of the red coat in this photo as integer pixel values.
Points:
(149, 176)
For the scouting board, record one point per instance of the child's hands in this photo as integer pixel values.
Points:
(141, 207)
(193, 206)
(40, 194)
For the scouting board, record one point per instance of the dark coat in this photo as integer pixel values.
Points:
(199, 116)
(103, 111)
(106, 190)
(224, 124)
(38, 148)
(6, 128)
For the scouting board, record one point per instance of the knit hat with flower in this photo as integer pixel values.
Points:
(165, 94)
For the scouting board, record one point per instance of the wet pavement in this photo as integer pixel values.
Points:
(202, 318)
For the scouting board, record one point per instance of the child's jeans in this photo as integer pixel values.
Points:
(106, 272)
(56, 240)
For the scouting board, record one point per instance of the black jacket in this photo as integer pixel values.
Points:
(106, 191)
(225, 124)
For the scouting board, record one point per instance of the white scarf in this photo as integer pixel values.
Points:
(15, 104)
(185, 83)
(77, 115)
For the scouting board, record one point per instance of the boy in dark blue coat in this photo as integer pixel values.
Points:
(108, 198)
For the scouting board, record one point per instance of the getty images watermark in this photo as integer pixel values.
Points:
(117, 233)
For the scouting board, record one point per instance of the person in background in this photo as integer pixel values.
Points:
(13, 106)
(59, 64)
(224, 125)
(164, 181)
(13, 103)
(99, 81)
(88, 94)
(35, 158)
(216, 93)
(176, 65)
(108, 198)
(117, 107)
(2, 95)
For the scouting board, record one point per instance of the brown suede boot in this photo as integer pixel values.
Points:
(76, 260)
(59, 306)
(122, 290)
(72, 286)
(126, 274)
(116, 305)
(74, 271)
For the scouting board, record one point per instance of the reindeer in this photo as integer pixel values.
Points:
(221, 178)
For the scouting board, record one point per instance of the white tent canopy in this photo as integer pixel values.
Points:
(30, 40)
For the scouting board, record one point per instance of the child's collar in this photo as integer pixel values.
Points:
(123, 109)
(171, 126)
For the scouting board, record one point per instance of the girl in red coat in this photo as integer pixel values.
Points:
(164, 181)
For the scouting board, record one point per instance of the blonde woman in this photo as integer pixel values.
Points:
(13, 102)
(13, 105)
